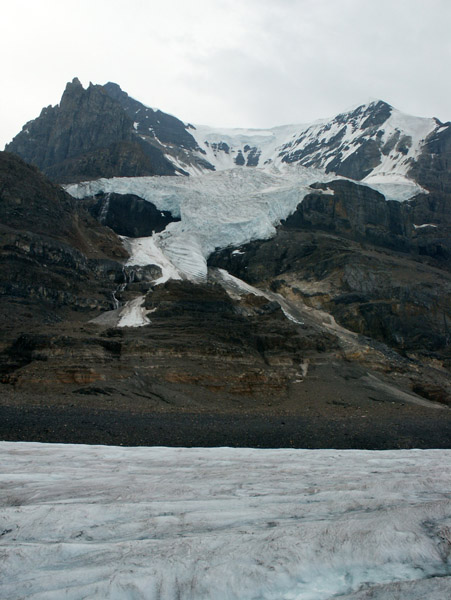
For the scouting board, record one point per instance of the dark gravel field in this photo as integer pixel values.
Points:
(85, 426)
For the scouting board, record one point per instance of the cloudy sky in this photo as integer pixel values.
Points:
(234, 63)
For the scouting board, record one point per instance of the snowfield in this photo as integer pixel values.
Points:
(173, 523)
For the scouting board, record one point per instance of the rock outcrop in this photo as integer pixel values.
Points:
(88, 135)
(154, 123)
(128, 215)
(432, 169)
(55, 257)
(421, 226)
(382, 269)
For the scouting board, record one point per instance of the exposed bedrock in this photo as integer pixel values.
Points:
(200, 344)
(128, 215)
(55, 258)
(88, 135)
(432, 169)
(207, 354)
(422, 225)
(369, 267)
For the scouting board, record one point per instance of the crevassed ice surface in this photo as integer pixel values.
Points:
(173, 523)
(219, 209)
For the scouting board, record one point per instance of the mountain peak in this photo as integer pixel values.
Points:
(74, 84)
(373, 113)
(114, 90)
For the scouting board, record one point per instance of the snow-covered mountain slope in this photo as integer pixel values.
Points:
(228, 148)
(372, 139)
(373, 142)
(109, 522)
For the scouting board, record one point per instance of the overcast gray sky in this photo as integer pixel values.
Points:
(234, 63)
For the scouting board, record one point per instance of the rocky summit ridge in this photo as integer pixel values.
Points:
(244, 279)
(102, 132)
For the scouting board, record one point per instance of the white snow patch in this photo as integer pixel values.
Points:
(133, 314)
(230, 524)
(393, 186)
(328, 191)
(145, 251)
(235, 286)
(424, 225)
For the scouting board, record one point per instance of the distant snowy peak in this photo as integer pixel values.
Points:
(374, 138)
(371, 140)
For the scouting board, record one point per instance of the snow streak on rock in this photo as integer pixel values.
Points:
(230, 524)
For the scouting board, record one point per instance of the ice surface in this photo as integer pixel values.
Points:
(219, 209)
(267, 141)
(229, 524)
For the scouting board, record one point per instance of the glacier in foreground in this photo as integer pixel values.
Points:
(166, 523)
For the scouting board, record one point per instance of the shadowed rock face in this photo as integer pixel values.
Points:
(55, 257)
(366, 261)
(420, 226)
(128, 215)
(167, 128)
(433, 167)
(88, 135)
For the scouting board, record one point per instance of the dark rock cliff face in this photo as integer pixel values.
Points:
(433, 167)
(55, 257)
(166, 128)
(421, 226)
(384, 295)
(128, 215)
(87, 136)
(366, 261)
